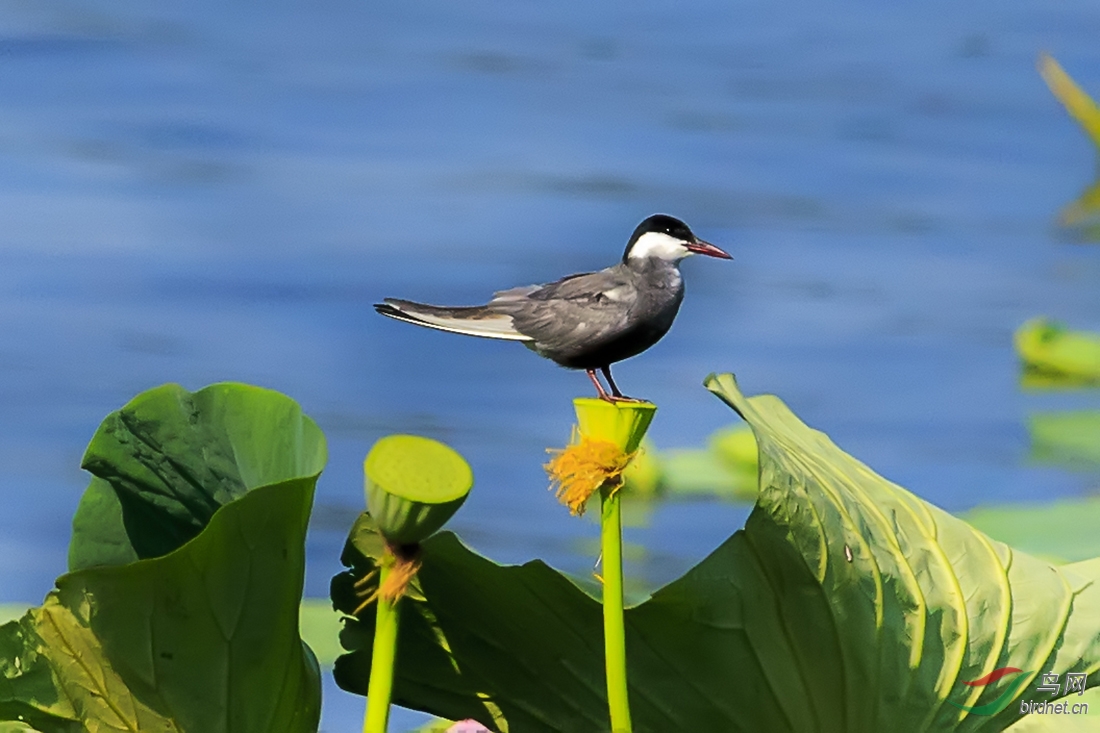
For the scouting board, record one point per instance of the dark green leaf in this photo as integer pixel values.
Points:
(16, 726)
(174, 457)
(99, 532)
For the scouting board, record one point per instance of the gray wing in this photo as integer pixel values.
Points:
(573, 313)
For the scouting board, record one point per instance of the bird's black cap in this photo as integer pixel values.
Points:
(664, 224)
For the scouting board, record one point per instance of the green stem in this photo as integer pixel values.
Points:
(380, 687)
(614, 632)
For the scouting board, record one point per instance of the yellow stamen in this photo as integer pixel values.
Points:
(403, 563)
(405, 567)
(580, 469)
(366, 579)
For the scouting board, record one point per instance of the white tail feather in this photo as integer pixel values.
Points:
(497, 326)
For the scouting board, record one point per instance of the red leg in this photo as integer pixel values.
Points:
(599, 387)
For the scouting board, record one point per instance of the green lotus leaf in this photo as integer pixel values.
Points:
(696, 473)
(846, 603)
(17, 726)
(726, 470)
(1060, 531)
(644, 474)
(414, 485)
(1076, 100)
(1054, 353)
(12, 611)
(1081, 217)
(1083, 211)
(1068, 439)
(29, 693)
(205, 636)
(320, 627)
(736, 447)
(170, 458)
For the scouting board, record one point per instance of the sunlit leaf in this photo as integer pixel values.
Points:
(29, 691)
(1081, 217)
(1057, 354)
(1076, 100)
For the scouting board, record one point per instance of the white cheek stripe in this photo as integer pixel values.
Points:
(660, 245)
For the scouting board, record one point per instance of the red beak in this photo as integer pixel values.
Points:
(706, 248)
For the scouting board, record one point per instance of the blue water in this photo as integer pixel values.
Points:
(202, 193)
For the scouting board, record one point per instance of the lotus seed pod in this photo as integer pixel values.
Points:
(414, 485)
(621, 423)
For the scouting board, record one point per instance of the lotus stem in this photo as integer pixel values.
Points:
(380, 688)
(606, 438)
(614, 629)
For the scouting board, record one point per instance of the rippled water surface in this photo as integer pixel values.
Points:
(203, 193)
